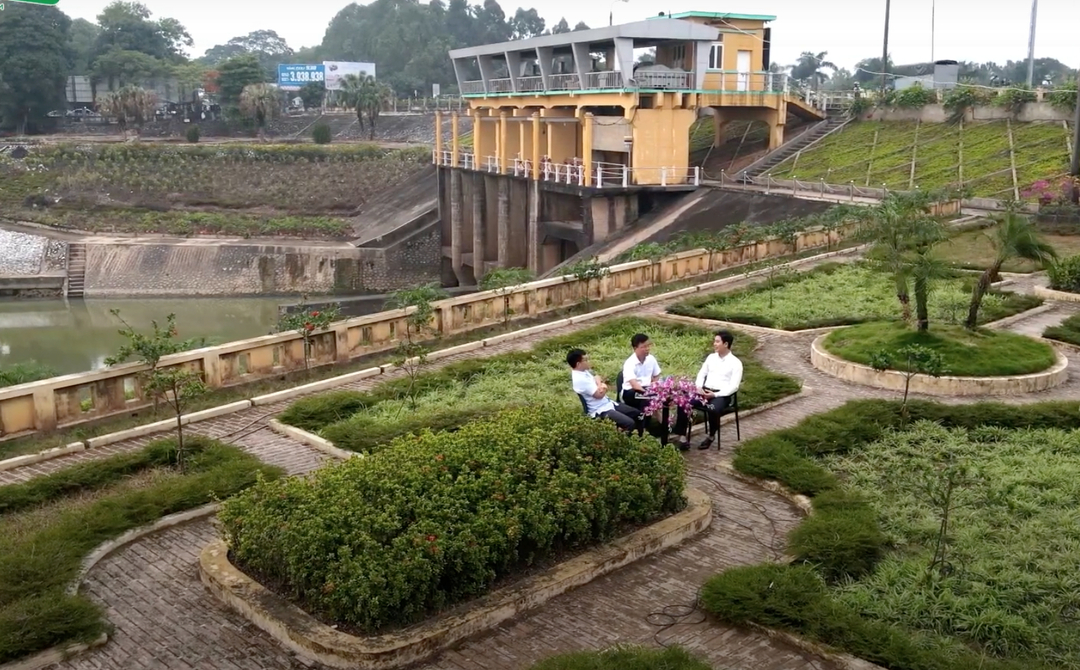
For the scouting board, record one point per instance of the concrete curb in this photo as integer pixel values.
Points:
(55, 655)
(311, 440)
(1059, 296)
(340, 380)
(1010, 320)
(310, 639)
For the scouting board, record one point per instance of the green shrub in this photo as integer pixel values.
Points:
(365, 434)
(25, 372)
(320, 133)
(314, 412)
(1065, 274)
(625, 658)
(842, 539)
(771, 457)
(1064, 97)
(435, 518)
(1067, 331)
(1014, 98)
(914, 97)
(193, 134)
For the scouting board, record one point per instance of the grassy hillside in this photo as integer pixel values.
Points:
(978, 155)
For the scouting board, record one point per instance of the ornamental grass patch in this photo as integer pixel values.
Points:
(626, 658)
(838, 294)
(966, 353)
(945, 542)
(1067, 331)
(50, 524)
(437, 518)
(479, 387)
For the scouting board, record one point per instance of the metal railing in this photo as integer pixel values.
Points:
(572, 172)
(663, 80)
(564, 82)
(472, 87)
(530, 84)
(501, 85)
(607, 79)
(716, 81)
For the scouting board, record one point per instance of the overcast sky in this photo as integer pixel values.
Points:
(975, 30)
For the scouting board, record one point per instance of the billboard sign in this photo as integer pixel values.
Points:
(293, 77)
(336, 70)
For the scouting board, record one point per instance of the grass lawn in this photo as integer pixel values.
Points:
(625, 658)
(981, 353)
(1067, 331)
(840, 294)
(49, 524)
(946, 541)
(973, 250)
(473, 388)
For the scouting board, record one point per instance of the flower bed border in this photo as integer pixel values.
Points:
(864, 375)
(1047, 293)
(304, 635)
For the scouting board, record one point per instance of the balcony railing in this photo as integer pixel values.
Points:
(572, 172)
(502, 85)
(564, 82)
(530, 84)
(607, 79)
(716, 81)
(663, 80)
(472, 87)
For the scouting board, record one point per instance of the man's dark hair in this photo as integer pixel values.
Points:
(638, 340)
(726, 337)
(574, 357)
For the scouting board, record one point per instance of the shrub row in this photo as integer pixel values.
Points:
(37, 563)
(625, 658)
(1067, 331)
(842, 540)
(1064, 275)
(436, 518)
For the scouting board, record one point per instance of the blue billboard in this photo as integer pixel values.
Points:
(295, 76)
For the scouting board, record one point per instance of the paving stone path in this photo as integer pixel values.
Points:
(164, 618)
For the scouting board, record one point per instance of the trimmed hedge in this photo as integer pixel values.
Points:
(625, 658)
(842, 539)
(436, 518)
(1067, 331)
(45, 553)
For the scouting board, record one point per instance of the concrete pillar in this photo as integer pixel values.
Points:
(504, 222)
(477, 143)
(454, 140)
(502, 148)
(438, 138)
(479, 236)
(533, 229)
(536, 146)
(586, 147)
(456, 226)
(776, 135)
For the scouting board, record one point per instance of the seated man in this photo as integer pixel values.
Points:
(639, 372)
(718, 379)
(594, 391)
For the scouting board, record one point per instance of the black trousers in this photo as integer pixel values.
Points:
(713, 407)
(624, 416)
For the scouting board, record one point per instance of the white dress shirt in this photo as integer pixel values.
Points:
(585, 386)
(643, 371)
(721, 375)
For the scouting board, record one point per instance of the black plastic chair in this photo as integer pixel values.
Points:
(584, 405)
(715, 416)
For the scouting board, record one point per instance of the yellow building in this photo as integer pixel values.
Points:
(578, 109)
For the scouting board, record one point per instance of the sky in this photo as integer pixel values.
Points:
(849, 30)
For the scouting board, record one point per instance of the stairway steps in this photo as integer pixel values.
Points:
(76, 270)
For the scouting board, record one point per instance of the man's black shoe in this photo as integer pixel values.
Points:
(706, 443)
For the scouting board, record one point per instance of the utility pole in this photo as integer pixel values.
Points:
(885, 50)
(1074, 168)
(933, 28)
(1031, 44)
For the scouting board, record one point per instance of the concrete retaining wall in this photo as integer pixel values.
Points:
(1031, 112)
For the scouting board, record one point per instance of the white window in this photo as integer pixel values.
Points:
(716, 56)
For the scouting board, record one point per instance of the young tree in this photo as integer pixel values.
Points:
(178, 387)
(308, 322)
(1014, 236)
(130, 105)
(503, 281)
(411, 353)
(910, 361)
(654, 253)
(262, 104)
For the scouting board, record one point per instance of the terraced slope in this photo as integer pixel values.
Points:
(980, 156)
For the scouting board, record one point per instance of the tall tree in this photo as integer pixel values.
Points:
(83, 36)
(35, 58)
(120, 67)
(127, 25)
(811, 68)
(234, 75)
(526, 23)
(561, 27)
(266, 45)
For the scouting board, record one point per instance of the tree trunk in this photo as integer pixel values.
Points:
(179, 440)
(922, 313)
(904, 298)
(977, 294)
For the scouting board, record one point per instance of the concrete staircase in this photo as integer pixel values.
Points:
(76, 270)
(800, 143)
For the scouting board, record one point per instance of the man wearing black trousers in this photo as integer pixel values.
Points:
(718, 380)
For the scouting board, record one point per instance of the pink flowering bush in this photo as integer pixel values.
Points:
(679, 392)
(1048, 192)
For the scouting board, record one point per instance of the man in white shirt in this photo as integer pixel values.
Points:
(718, 379)
(593, 391)
(639, 372)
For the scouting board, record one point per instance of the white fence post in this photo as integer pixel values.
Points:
(697, 175)
(663, 176)
(625, 176)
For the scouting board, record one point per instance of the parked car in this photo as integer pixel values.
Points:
(82, 112)
(55, 114)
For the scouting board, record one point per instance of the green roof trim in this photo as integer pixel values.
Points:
(717, 15)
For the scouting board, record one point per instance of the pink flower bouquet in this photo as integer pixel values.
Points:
(679, 392)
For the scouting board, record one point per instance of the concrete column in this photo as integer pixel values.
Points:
(454, 140)
(536, 146)
(477, 142)
(586, 147)
(504, 222)
(456, 226)
(438, 138)
(533, 229)
(479, 236)
(502, 148)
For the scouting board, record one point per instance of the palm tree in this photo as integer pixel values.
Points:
(367, 97)
(811, 68)
(1014, 237)
(261, 102)
(130, 104)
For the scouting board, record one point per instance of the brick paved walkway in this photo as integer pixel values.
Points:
(164, 618)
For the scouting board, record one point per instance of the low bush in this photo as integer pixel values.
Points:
(840, 294)
(625, 658)
(320, 133)
(436, 518)
(22, 373)
(474, 388)
(46, 530)
(1067, 331)
(193, 134)
(1065, 274)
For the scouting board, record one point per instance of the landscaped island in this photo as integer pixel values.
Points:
(479, 387)
(946, 540)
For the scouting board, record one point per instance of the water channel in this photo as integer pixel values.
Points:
(76, 336)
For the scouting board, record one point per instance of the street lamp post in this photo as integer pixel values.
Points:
(1031, 44)
(885, 49)
(611, 12)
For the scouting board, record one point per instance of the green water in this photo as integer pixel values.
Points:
(77, 336)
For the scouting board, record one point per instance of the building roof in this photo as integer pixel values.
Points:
(717, 15)
(640, 31)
